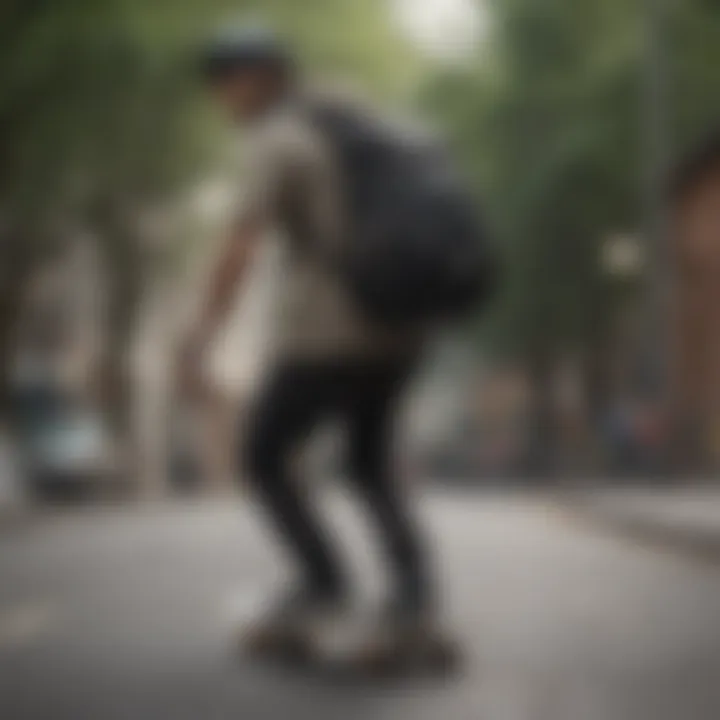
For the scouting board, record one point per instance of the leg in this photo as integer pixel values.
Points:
(408, 638)
(295, 399)
(371, 418)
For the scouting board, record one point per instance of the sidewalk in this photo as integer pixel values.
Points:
(11, 497)
(683, 520)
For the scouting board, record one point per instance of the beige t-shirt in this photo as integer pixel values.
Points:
(291, 171)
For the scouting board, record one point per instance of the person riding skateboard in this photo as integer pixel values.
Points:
(332, 359)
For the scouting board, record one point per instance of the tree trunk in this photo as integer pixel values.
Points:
(120, 251)
(16, 268)
(598, 391)
(541, 446)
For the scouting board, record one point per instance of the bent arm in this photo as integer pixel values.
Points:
(228, 275)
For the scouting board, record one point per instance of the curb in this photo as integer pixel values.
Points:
(698, 544)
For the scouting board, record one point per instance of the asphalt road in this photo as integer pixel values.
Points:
(128, 615)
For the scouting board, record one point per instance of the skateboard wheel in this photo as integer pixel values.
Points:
(443, 657)
(286, 647)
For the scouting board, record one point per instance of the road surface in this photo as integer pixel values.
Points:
(128, 614)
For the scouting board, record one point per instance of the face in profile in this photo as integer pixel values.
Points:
(244, 95)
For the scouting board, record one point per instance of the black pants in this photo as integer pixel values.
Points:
(363, 396)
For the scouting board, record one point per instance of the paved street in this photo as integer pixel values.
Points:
(127, 615)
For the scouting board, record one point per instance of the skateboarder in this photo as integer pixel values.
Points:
(334, 358)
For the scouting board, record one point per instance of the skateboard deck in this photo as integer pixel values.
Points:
(360, 647)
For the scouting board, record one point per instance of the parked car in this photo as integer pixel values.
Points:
(65, 451)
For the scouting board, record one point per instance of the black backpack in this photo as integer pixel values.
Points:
(417, 250)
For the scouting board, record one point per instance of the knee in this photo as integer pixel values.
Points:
(366, 459)
(363, 468)
(261, 457)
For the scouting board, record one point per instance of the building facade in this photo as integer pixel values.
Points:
(696, 219)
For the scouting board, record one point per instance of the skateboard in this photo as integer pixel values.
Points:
(360, 649)
(392, 653)
(285, 646)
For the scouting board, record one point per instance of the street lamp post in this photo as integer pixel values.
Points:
(657, 360)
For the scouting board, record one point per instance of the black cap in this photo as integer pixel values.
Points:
(240, 48)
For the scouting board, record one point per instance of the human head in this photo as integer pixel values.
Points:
(248, 71)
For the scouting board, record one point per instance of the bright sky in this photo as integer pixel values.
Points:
(445, 29)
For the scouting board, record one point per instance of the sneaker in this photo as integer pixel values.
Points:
(290, 623)
(403, 639)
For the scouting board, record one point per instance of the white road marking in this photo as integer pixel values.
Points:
(24, 624)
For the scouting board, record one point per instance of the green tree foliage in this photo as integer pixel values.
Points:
(550, 120)
(549, 126)
(552, 124)
(101, 122)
